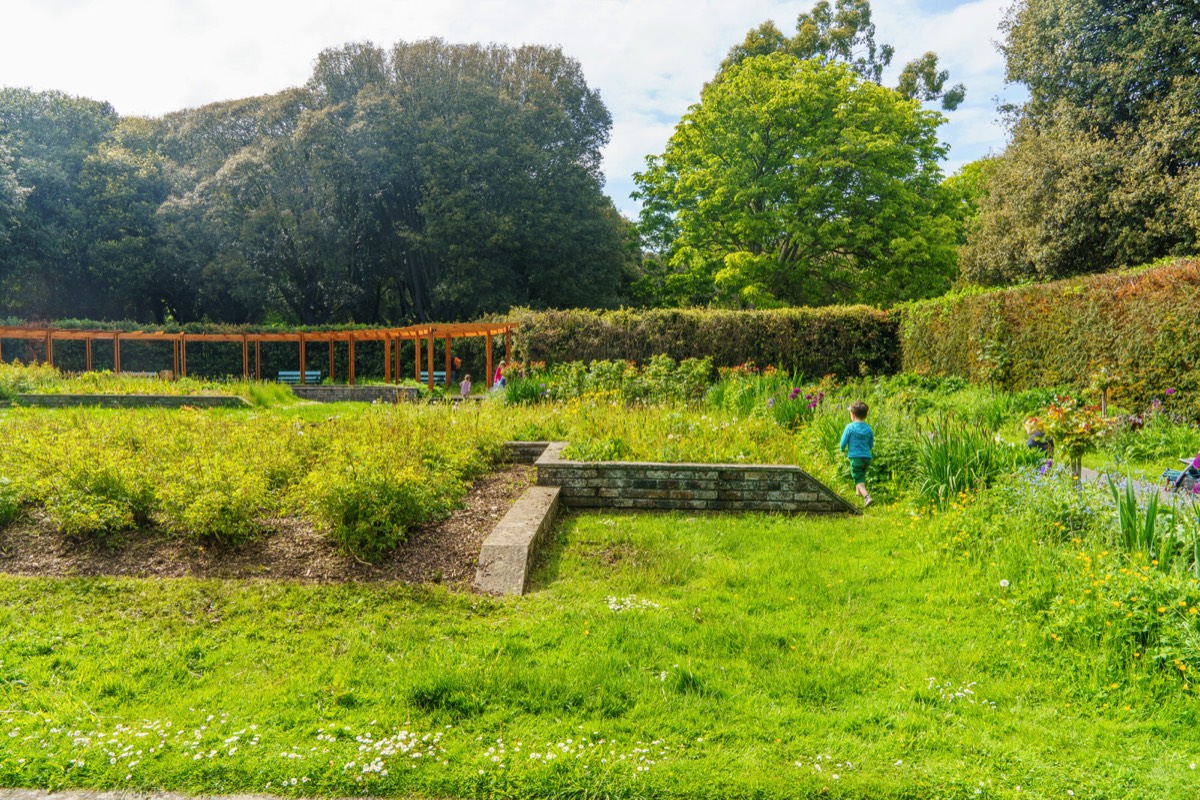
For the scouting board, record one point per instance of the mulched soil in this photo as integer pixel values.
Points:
(441, 552)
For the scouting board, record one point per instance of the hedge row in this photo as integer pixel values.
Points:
(843, 340)
(1140, 327)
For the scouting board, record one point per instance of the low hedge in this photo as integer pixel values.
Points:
(842, 340)
(1139, 326)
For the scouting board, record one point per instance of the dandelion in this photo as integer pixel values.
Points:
(1004, 583)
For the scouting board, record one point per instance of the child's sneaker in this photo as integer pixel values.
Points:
(867, 502)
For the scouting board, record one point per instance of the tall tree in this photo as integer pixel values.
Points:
(50, 136)
(1103, 169)
(12, 196)
(797, 182)
(845, 34)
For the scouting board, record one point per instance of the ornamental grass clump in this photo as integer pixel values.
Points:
(954, 457)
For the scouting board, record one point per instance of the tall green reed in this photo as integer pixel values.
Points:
(953, 457)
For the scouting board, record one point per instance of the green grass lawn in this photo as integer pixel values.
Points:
(658, 656)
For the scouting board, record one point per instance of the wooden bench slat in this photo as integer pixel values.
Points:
(293, 376)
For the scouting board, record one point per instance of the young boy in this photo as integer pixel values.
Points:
(857, 441)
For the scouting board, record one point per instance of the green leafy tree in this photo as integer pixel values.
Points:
(1103, 169)
(12, 195)
(797, 182)
(845, 34)
(50, 137)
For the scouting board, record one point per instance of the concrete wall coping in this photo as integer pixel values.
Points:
(507, 555)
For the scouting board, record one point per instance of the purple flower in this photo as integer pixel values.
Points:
(770, 402)
(1170, 391)
(795, 393)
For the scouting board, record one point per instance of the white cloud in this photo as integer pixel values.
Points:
(648, 58)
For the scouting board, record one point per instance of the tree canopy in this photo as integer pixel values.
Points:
(799, 182)
(428, 180)
(845, 34)
(1103, 169)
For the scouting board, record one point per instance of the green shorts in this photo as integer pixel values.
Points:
(858, 469)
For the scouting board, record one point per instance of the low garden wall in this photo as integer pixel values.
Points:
(357, 394)
(129, 400)
(690, 487)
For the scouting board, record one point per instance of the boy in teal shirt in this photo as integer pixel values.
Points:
(857, 441)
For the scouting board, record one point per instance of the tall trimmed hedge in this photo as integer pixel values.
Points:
(844, 340)
(1140, 325)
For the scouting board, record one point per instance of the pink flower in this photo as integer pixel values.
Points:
(1170, 391)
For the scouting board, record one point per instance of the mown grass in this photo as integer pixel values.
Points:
(1000, 642)
(663, 656)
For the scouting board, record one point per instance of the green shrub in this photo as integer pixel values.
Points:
(10, 504)
(369, 513)
(97, 494)
(1154, 436)
(222, 501)
(1133, 324)
(842, 340)
(84, 515)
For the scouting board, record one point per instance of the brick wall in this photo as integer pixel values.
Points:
(130, 400)
(356, 394)
(694, 487)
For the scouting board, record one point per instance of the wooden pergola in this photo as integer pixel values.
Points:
(422, 337)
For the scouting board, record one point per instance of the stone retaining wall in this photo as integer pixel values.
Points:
(524, 452)
(692, 487)
(130, 400)
(357, 394)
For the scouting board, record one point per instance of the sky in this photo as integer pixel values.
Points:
(648, 58)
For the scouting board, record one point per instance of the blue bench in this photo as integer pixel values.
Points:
(311, 376)
(439, 377)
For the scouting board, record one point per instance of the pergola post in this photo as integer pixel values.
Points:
(116, 354)
(387, 359)
(183, 356)
(87, 353)
(449, 370)
(507, 346)
(174, 356)
(245, 357)
(417, 360)
(488, 348)
(429, 360)
(302, 359)
(396, 370)
(351, 359)
(49, 348)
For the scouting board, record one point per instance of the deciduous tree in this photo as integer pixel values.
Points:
(798, 182)
(1103, 169)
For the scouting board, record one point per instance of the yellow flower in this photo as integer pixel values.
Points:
(1162, 609)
